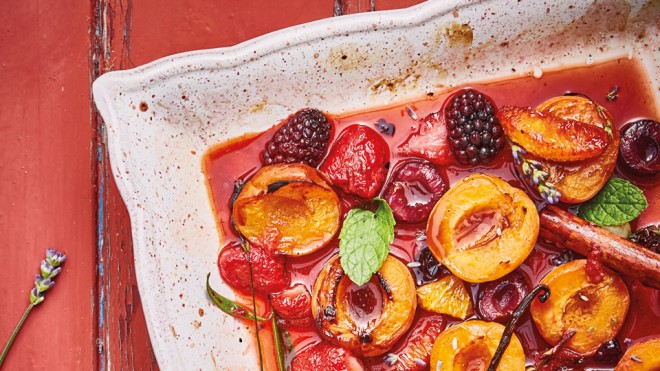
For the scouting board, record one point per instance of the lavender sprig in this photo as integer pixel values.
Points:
(536, 175)
(391, 359)
(50, 267)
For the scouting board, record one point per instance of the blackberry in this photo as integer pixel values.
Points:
(609, 352)
(475, 134)
(648, 237)
(303, 138)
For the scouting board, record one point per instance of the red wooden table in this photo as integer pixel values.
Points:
(56, 189)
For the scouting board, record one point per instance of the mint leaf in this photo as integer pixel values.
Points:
(618, 202)
(364, 241)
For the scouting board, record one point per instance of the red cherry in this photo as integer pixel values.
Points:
(415, 188)
(498, 299)
(640, 147)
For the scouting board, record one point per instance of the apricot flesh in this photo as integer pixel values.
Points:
(471, 345)
(297, 216)
(594, 310)
(482, 228)
(581, 180)
(641, 356)
(367, 331)
(448, 295)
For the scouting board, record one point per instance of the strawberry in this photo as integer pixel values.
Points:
(293, 305)
(415, 353)
(326, 357)
(429, 142)
(268, 274)
(358, 161)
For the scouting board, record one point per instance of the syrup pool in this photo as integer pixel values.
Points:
(238, 159)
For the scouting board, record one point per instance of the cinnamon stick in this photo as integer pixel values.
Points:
(565, 230)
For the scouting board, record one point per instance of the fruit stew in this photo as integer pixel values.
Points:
(507, 225)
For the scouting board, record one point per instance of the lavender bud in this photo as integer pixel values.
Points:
(55, 272)
(43, 285)
(50, 267)
(535, 164)
(35, 296)
(391, 359)
(46, 269)
(55, 258)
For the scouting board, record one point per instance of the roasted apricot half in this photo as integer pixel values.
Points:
(447, 295)
(581, 180)
(471, 345)
(641, 356)
(551, 137)
(482, 228)
(288, 209)
(595, 311)
(367, 319)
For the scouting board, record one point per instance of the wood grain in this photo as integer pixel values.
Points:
(130, 34)
(47, 183)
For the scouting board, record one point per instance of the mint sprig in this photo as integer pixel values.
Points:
(617, 203)
(364, 241)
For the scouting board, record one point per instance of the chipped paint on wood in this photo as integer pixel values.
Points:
(122, 336)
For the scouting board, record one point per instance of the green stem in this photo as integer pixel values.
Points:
(279, 350)
(13, 334)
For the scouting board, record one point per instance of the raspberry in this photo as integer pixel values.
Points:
(268, 274)
(475, 133)
(303, 138)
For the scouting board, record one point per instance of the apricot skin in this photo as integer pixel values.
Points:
(492, 253)
(298, 218)
(267, 175)
(595, 311)
(641, 356)
(338, 326)
(471, 345)
(550, 137)
(581, 180)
